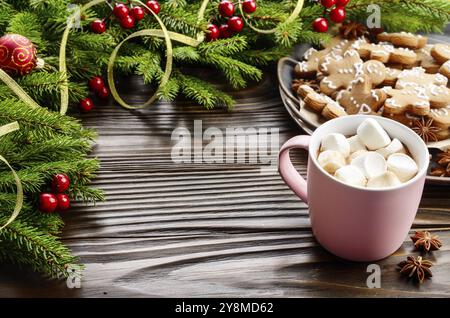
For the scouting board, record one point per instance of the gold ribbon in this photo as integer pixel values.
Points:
(6, 129)
(12, 84)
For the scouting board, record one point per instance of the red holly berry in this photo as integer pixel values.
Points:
(320, 25)
(342, 3)
(154, 6)
(127, 22)
(236, 24)
(328, 3)
(226, 8)
(225, 32)
(249, 6)
(86, 105)
(337, 15)
(96, 83)
(60, 183)
(47, 202)
(120, 10)
(213, 33)
(138, 13)
(103, 93)
(98, 26)
(63, 201)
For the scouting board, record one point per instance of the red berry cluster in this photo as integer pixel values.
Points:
(96, 85)
(231, 24)
(127, 16)
(336, 11)
(58, 200)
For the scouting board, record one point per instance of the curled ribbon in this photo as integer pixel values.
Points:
(6, 129)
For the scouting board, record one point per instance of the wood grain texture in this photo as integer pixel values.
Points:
(212, 230)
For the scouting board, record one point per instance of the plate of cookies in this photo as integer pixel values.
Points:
(401, 76)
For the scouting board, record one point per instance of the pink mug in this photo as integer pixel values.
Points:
(356, 224)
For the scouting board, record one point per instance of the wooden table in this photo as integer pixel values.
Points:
(213, 230)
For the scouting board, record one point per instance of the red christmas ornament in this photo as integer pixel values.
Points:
(236, 24)
(86, 105)
(96, 83)
(63, 201)
(337, 15)
(226, 8)
(154, 6)
(213, 33)
(249, 6)
(225, 32)
(320, 25)
(327, 3)
(103, 92)
(127, 22)
(47, 202)
(138, 13)
(98, 26)
(17, 54)
(60, 183)
(120, 10)
(342, 3)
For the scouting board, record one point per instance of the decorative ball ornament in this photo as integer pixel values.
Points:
(213, 33)
(320, 25)
(342, 3)
(60, 183)
(154, 6)
(328, 3)
(337, 15)
(17, 54)
(236, 24)
(249, 6)
(63, 202)
(47, 202)
(138, 13)
(226, 8)
(98, 26)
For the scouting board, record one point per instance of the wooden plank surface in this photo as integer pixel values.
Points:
(180, 230)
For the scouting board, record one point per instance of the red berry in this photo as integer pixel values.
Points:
(137, 13)
(328, 3)
(63, 201)
(249, 6)
(120, 10)
(320, 25)
(103, 93)
(337, 15)
(47, 202)
(98, 26)
(342, 3)
(235, 24)
(225, 32)
(154, 6)
(96, 83)
(86, 105)
(226, 8)
(60, 183)
(213, 33)
(127, 22)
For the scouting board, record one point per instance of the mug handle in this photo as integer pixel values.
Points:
(287, 171)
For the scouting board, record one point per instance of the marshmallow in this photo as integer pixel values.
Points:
(394, 147)
(351, 175)
(371, 164)
(356, 154)
(403, 166)
(356, 144)
(336, 142)
(372, 134)
(331, 160)
(386, 180)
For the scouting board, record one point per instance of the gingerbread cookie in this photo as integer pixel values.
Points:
(385, 53)
(445, 69)
(427, 61)
(406, 118)
(320, 103)
(360, 98)
(411, 99)
(391, 76)
(339, 71)
(439, 96)
(441, 52)
(376, 71)
(441, 119)
(338, 45)
(308, 67)
(418, 77)
(404, 39)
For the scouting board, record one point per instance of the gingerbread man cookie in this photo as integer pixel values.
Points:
(427, 61)
(445, 69)
(385, 53)
(360, 98)
(404, 39)
(439, 95)
(320, 103)
(441, 119)
(441, 52)
(376, 71)
(418, 77)
(308, 67)
(411, 99)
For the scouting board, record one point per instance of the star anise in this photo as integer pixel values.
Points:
(443, 158)
(425, 129)
(352, 30)
(423, 240)
(296, 83)
(440, 172)
(416, 267)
